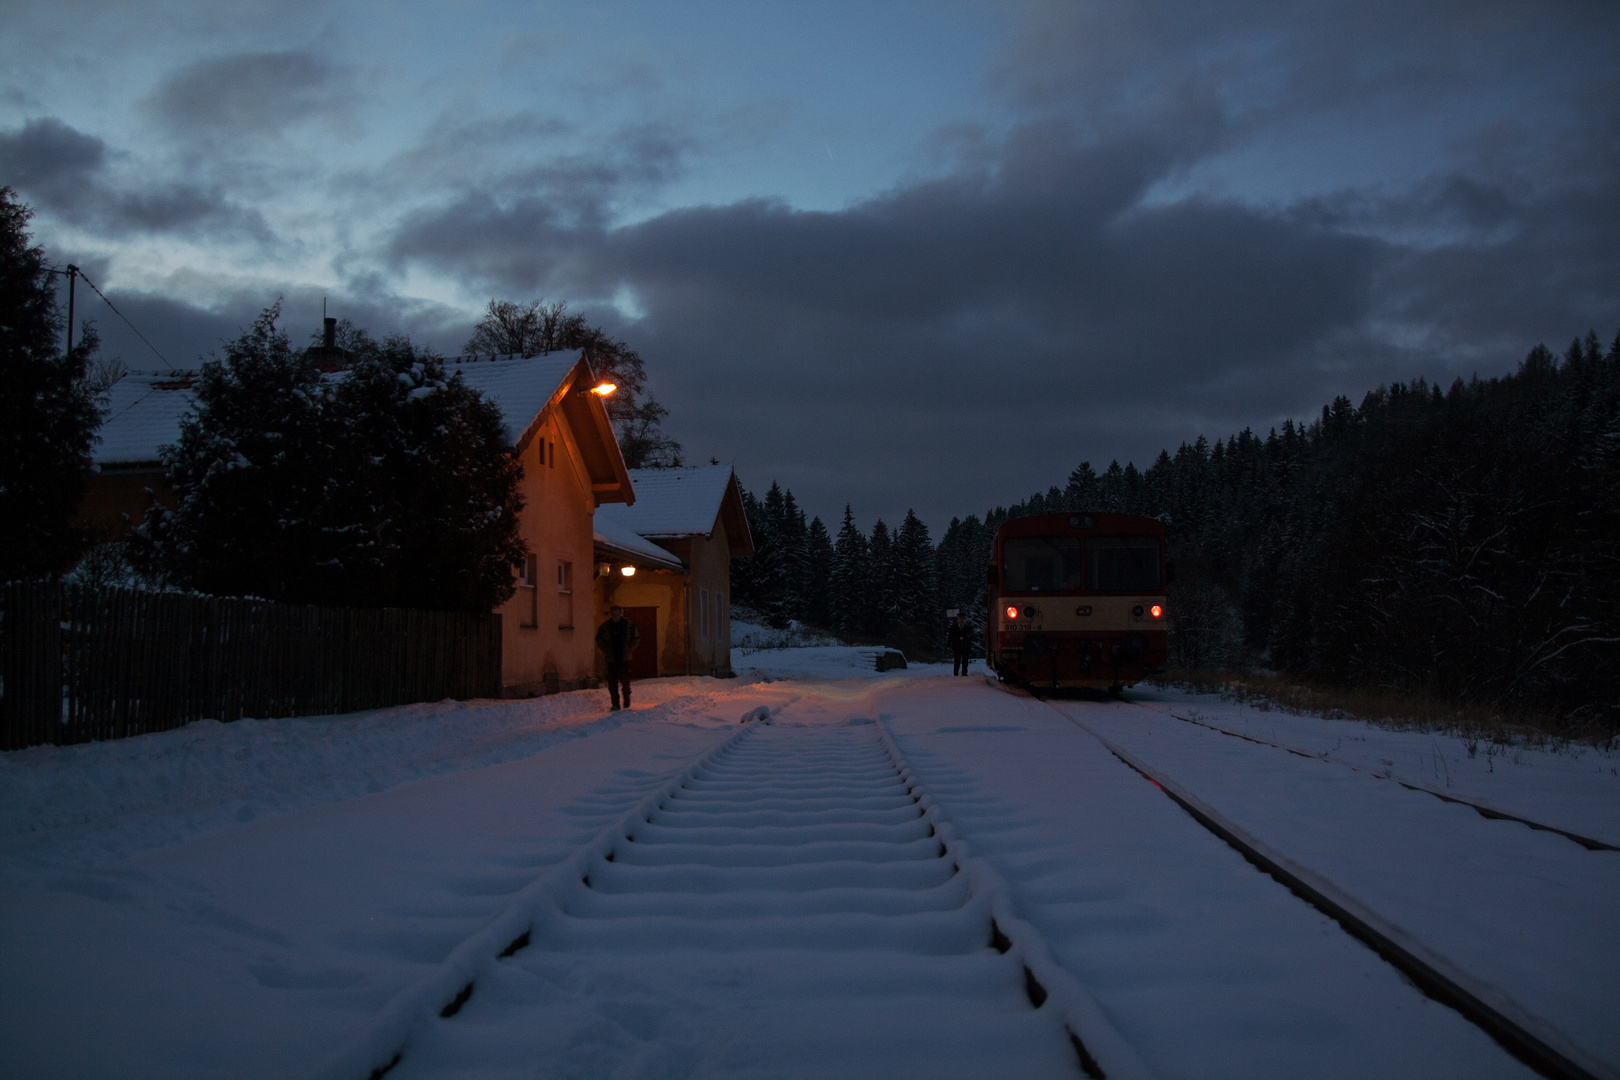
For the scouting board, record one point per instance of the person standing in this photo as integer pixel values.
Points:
(960, 638)
(618, 638)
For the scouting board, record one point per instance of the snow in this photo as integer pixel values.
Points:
(519, 387)
(615, 537)
(143, 414)
(807, 893)
(672, 502)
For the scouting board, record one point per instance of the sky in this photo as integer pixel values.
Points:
(920, 256)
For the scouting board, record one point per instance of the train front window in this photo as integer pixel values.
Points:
(1041, 564)
(1122, 563)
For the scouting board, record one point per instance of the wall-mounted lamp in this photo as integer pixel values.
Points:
(628, 571)
(603, 389)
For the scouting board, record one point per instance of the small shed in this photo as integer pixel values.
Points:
(695, 517)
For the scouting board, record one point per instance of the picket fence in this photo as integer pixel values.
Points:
(80, 663)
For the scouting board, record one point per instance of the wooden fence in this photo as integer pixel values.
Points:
(79, 663)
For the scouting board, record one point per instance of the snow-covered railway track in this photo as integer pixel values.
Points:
(1529, 1039)
(1482, 809)
(794, 904)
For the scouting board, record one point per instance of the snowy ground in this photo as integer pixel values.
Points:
(246, 900)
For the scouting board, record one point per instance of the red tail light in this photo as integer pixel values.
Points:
(1156, 611)
(1012, 613)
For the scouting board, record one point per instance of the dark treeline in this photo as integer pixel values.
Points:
(1463, 542)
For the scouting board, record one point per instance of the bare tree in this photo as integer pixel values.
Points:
(537, 328)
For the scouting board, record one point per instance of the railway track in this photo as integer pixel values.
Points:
(812, 859)
(1522, 1034)
(1483, 809)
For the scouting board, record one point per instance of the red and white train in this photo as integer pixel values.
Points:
(1077, 600)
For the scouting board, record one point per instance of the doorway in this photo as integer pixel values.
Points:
(644, 661)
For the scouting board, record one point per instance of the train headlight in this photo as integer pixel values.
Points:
(1156, 611)
(1012, 613)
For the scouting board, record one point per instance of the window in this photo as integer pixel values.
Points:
(542, 443)
(719, 608)
(553, 455)
(528, 594)
(1122, 563)
(703, 614)
(565, 595)
(1041, 564)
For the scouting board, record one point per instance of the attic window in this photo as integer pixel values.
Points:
(552, 457)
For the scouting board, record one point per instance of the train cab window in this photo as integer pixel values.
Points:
(1122, 563)
(1041, 564)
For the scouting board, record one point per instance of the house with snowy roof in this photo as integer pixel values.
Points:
(666, 560)
(556, 427)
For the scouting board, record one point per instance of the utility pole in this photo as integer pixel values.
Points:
(73, 276)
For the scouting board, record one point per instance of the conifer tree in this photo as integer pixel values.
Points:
(48, 412)
(819, 560)
(917, 577)
(882, 592)
(849, 577)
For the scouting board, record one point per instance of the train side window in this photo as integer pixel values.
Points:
(1122, 563)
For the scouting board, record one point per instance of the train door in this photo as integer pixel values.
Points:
(644, 662)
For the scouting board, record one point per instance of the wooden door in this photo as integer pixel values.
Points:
(644, 661)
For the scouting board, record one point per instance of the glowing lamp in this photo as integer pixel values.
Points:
(628, 571)
(1156, 611)
(603, 389)
(1012, 613)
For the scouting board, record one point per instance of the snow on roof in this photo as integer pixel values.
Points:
(143, 413)
(673, 502)
(144, 407)
(519, 387)
(617, 538)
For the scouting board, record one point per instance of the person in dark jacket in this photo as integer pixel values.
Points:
(960, 638)
(618, 638)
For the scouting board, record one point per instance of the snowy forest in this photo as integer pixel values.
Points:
(1461, 541)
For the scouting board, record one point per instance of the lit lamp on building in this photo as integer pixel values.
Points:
(603, 389)
(628, 571)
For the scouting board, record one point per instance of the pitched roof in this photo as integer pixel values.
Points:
(143, 413)
(621, 541)
(145, 408)
(520, 387)
(684, 502)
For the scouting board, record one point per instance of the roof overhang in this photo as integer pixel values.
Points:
(587, 418)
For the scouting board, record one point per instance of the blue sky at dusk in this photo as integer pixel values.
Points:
(911, 255)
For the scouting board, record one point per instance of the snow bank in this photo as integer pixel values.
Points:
(110, 799)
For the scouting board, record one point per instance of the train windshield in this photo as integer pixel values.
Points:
(1122, 563)
(1041, 563)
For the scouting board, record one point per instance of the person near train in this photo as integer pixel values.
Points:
(618, 638)
(959, 637)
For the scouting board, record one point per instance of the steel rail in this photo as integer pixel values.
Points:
(1483, 809)
(381, 1045)
(1527, 1037)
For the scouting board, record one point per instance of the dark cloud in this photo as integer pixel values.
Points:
(964, 340)
(252, 95)
(63, 170)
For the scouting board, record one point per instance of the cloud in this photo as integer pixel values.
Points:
(66, 171)
(253, 95)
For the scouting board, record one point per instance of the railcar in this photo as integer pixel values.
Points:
(1077, 600)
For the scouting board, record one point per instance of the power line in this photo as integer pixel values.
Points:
(120, 314)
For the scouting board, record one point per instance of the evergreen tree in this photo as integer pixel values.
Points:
(819, 561)
(48, 412)
(392, 486)
(917, 578)
(849, 577)
(882, 593)
(795, 558)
